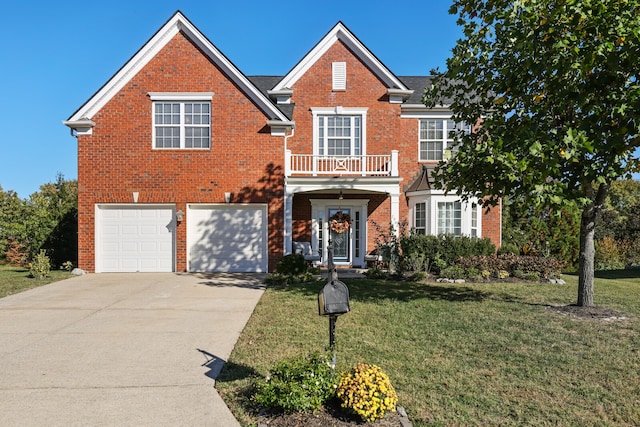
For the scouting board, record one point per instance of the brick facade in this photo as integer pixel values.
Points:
(246, 159)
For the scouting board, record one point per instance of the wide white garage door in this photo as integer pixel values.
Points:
(227, 238)
(135, 238)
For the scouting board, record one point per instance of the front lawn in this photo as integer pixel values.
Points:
(463, 354)
(17, 279)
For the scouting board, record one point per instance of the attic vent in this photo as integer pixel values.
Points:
(339, 75)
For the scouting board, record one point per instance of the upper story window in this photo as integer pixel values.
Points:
(436, 137)
(339, 131)
(181, 121)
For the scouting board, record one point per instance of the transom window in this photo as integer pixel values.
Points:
(340, 135)
(450, 218)
(436, 136)
(181, 120)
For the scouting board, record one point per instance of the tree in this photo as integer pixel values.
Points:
(554, 86)
(47, 220)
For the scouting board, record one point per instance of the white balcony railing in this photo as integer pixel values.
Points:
(314, 165)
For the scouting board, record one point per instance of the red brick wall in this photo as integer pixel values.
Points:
(118, 159)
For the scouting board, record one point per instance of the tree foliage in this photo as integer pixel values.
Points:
(47, 220)
(554, 85)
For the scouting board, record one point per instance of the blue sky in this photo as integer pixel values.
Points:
(56, 55)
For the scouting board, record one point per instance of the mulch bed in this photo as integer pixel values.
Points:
(589, 313)
(331, 415)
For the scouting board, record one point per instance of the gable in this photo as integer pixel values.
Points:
(81, 119)
(341, 34)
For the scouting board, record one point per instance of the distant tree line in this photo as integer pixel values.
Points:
(551, 232)
(47, 220)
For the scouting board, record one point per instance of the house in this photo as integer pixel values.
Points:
(187, 164)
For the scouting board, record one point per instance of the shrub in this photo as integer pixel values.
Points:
(377, 273)
(454, 273)
(291, 264)
(279, 279)
(438, 252)
(367, 391)
(40, 267)
(609, 254)
(67, 265)
(509, 248)
(301, 384)
(546, 268)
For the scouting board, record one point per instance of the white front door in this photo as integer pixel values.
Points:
(349, 247)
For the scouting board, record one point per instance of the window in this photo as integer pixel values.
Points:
(340, 135)
(181, 120)
(436, 136)
(450, 218)
(420, 219)
(474, 220)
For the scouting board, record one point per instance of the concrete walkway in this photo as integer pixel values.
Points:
(121, 349)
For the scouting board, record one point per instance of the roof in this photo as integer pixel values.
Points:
(421, 182)
(257, 88)
(177, 23)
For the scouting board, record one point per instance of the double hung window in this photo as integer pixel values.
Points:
(450, 218)
(436, 136)
(340, 135)
(181, 122)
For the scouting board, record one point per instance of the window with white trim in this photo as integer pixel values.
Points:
(474, 220)
(436, 137)
(340, 135)
(450, 218)
(181, 121)
(420, 218)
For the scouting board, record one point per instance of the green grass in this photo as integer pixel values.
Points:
(463, 354)
(17, 279)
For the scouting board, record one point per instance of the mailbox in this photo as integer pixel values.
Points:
(333, 299)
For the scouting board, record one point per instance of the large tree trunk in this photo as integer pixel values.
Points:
(586, 266)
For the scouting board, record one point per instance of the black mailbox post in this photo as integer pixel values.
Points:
(333, 300)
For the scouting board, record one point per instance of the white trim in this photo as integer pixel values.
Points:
(431, 199)
(360, 205)
(181, 96)
(98, 226)
(151, 48)
(411, 111)
(340, 33)
(339, 76)
(340, 111)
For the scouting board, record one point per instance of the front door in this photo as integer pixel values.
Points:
(341, 238)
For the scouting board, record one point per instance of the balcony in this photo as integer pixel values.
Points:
(364, 166)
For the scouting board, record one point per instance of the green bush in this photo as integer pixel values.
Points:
(509, 249)
(434, 253)
(301, 384)
(453, 272)
(497, 266)
(40, 267)
(291, 264)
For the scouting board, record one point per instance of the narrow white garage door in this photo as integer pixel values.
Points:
(135, 239)
(227, 238)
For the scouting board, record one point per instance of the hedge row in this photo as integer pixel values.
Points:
(433, 253)
(515, 265)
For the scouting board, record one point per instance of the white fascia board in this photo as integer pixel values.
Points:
(421, 110)
(340, 32)
(159, 40)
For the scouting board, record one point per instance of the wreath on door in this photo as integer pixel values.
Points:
(339, 222)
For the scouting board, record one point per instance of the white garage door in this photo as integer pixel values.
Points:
(135, 239)
(227, 238)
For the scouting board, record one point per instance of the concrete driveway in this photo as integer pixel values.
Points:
(121, 349)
